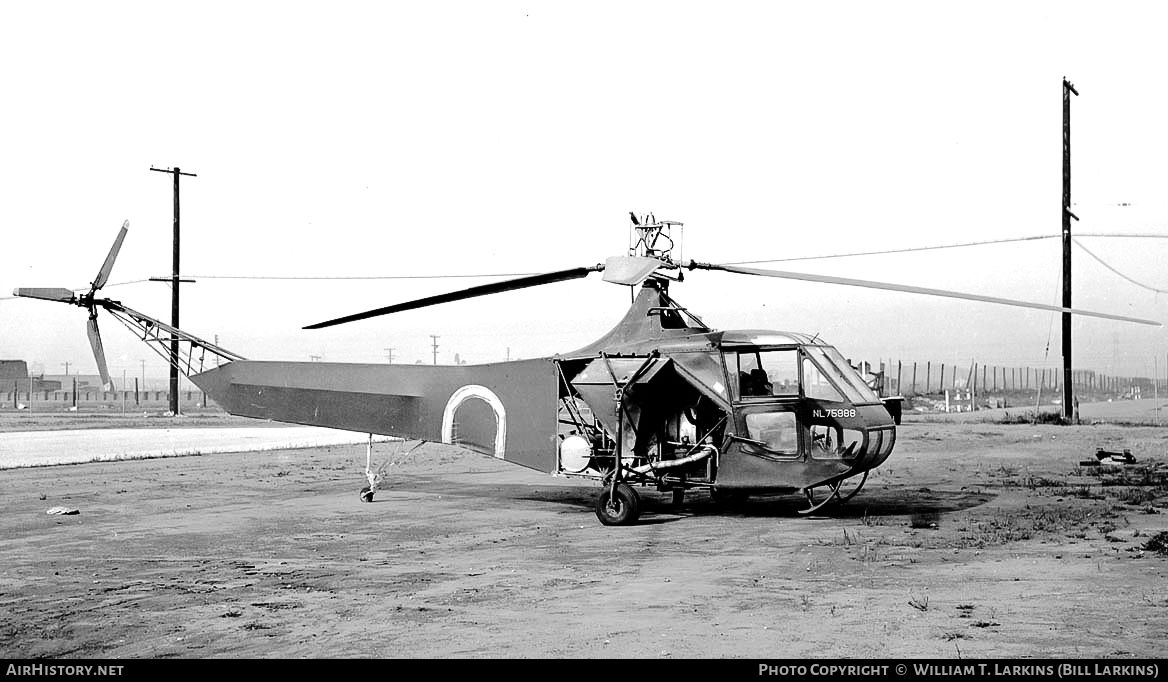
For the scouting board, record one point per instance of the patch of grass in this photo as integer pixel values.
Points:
(1033, 417)
(1059, 520)
(923, 520)
(1133, 496)
(996, 531)
(1158, 544)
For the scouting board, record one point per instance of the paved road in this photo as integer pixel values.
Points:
(38, 448)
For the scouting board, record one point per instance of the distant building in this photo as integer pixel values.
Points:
(12, 370)
(83, 380)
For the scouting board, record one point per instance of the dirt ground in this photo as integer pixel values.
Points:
(974, 540)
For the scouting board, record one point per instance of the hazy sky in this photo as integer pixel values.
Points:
(382, 138)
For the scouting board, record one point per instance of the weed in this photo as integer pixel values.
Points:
(919, 604)
(996, 531)
(1034, 417)
(923, 520)
(870, 521)
(1158, 543)
(1133, 496)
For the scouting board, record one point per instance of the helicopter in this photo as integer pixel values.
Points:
(661, 401)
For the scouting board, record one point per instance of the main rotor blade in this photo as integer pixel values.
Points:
(99, 353)
(472, 292)
(50, 294)
(104, 273)
(912, 290)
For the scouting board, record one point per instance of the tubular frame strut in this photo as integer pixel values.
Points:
(158, 337)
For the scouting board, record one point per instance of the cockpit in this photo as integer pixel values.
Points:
(803, 399)
(776, 372)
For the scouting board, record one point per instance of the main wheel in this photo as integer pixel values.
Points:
(366, 494)
(619, 508)
(678, 497)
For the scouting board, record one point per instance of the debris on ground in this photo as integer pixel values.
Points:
(65, 511)
(1109, 457)
(1124, 457)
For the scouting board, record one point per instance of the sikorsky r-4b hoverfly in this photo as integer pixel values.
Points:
(660, 401)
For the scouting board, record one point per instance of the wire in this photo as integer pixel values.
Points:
(904, 250)
(1104, 264)
(950, 246)
(365, 277)
(746, 262)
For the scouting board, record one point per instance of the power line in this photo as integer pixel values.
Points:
(1128, 235)
(364, 277)
(904, 250)
(1104, 264)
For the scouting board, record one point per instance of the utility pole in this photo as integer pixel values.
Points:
(1068, 407)
(389, 355)
(434, 341)
(174, 282)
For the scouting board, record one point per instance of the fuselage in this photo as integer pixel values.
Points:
(782, 410)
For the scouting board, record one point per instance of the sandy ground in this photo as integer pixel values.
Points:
(974, 540)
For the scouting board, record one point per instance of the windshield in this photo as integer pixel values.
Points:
(841, 373)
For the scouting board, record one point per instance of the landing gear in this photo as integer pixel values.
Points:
(678, 497)
(836, 492)
(621, 507)
(366, 494)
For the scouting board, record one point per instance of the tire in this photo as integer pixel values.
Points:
(678, 498)
(366, 495)
(620, 509)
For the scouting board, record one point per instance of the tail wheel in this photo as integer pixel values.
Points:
(620, 507)
(366, 494)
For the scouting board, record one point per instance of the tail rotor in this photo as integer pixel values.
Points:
(89, 301)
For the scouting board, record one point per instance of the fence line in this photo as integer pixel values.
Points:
(909, 378)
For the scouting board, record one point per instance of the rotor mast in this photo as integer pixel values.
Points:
(652, 238)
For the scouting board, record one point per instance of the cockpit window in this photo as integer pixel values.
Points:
(816, 384)
(837, 368)
(765, 373)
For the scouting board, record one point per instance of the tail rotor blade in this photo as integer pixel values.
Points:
(99, 354)
(913, 290)
(104, 273)
(483, 290)
(50, 294)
